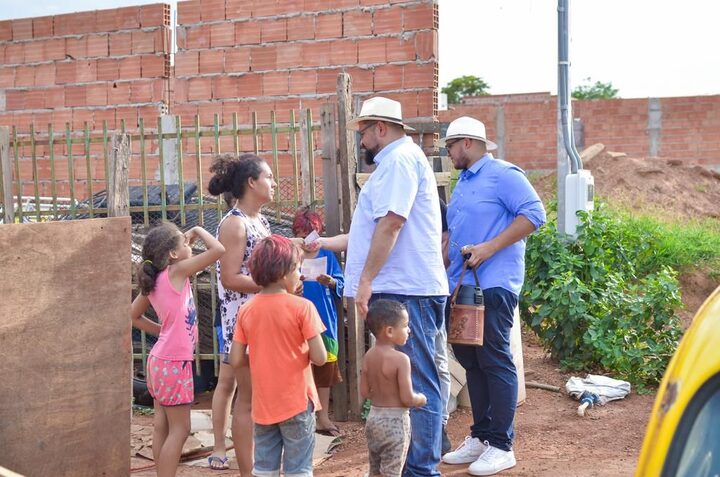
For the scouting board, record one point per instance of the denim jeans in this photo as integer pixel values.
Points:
(426, 319)
(293, 439)
(491, 374)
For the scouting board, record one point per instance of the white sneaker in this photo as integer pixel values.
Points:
(469, 451)
(492, 461)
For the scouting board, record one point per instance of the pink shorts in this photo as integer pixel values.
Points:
(170, 382)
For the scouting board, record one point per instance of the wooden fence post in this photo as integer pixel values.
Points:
(328, 135)
(7, 176)
(118, 196)
(348, 166)
(306, 170)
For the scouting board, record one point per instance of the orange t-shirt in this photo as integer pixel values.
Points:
(276, 328)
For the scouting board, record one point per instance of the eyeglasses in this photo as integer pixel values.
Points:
(362, 131)
(449, 145)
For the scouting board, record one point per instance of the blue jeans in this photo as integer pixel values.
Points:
(426, 319)
(491, 374)
(293, 439)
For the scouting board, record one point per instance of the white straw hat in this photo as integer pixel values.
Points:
(379, 109)
(467, 127)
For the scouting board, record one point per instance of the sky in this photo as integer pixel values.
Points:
(645, 48)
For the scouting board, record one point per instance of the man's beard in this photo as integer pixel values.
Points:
(368, 155)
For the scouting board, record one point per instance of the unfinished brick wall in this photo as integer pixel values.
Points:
(524, 126)
(97, 66)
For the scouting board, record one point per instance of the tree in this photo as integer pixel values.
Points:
(465, 86)
(599, 90)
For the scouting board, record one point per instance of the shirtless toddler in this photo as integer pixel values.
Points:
(386, 381)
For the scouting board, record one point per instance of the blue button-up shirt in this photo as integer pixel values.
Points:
(487, 198)
(404, 184)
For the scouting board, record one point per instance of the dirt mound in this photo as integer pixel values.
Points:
(669, 188)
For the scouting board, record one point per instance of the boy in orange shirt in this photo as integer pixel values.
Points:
(282, 334)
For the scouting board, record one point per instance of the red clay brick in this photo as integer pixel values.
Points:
(188, 12)
(107, 69)
(211, 61)
(128, 18)
(14, 53)
(273, 30)
(362, 79)
(222, 34)
(328, 25)
(224, 87)
(143, 42)
(207, 112)
(289, 55)
(426, 104)
(387, 20)
(237, 60)
(357, 23)
(364, 3)
(302, 82)
(75, 96)
(65, 72)
(263, 58)
(247, 33)
(275, 84)
(96, 94)
(178, 91)
(141, 92)
(106, 20)
(198, 37)
(22, 29)
(42, 27)
(267, 8)
(97, 45)
(343, 52)
(327, 81)
(418, 17)
(212, 10)
(199, 89)
(301, 28)
(419, 76)
(7, 77)
(6, 30)
(129, 115)
(119, 92)
(400, 49)
(238, 9)
(163, 38)
(426, 45)
(76, 47)
(241, 110)
(54, 98)
(388, 77)
(152, 15)
(35, 51)
(24, 76)
(152, 66)
(35, 99)
(15, 100)
(45, 74)
(120, 44)
(85, 71)
(316, 54)
(372, 51)
(129, 68)
(250, 85)
(186, 63)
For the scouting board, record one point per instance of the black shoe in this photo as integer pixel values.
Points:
(446, 446)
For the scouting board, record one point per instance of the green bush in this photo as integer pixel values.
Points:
(606, 301)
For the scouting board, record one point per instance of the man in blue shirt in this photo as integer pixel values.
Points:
(394, 252)
(492, 210)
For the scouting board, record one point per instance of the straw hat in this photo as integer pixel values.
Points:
(467, 127)
(379, 109)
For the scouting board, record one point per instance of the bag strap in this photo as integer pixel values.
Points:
(453, 298)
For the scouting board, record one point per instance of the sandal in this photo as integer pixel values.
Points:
(218, 463)
(331, 431)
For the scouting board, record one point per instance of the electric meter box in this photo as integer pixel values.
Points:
(579, 195)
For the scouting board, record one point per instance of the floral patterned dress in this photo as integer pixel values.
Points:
(230, 301)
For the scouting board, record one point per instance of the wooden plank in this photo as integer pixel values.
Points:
(348, 167)
(65, 348)
(118, 192)
(442, 178)
(7, 176)
(305, 159)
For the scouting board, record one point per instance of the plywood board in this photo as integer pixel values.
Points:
(65, 347)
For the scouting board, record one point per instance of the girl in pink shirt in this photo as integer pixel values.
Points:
(164, 283)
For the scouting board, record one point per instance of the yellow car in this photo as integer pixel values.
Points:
(683, 435)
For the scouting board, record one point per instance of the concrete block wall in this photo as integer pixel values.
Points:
(524, 126)
(86, 66)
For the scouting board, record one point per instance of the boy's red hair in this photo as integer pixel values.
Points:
(306, 221)
(273, 258)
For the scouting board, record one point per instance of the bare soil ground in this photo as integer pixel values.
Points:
(551, 439)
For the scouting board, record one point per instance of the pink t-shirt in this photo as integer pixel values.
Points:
(178, 319)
